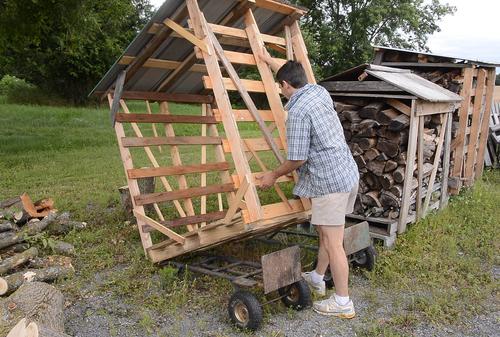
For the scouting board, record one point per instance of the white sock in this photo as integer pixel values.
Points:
(342, 300)
(316, 278)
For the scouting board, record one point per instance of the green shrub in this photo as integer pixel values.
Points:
(18, 91)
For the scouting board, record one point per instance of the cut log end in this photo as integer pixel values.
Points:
(3, 286)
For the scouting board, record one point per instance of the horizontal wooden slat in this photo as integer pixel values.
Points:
(243, 115)
(159, 227)
(179, 140)
(176, 170)
(255, 175)
(250, 85)
(163, 64)
(362, 86)
(257, 144)
(189, 220)
(164, 118)
(160, 96)
(227, 31)
(151, 198)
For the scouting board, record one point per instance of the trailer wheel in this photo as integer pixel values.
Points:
(296, 295)
(245, 310)
(365, 258)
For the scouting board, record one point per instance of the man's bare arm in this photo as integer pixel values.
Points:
(269, 179)
(266, 57)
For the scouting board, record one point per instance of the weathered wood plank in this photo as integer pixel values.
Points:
(176, 170)
(162, 118)
(179, 140)
(364, 86)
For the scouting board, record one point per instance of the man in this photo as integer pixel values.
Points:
(327, 174)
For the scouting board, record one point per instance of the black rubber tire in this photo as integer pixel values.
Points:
(245, 310)
(328, 276)
(296, 296)
(365, 258)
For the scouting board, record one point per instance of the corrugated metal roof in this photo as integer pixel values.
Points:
(404, 79)
(176, 49)
(451, 59)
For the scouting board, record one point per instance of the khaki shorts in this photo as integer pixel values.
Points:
(330, 209)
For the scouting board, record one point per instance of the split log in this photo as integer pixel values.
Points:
(395, 137)
(359, 161)
(397, 190)
(341, 107)
(352, 116)
(355, 149)
(385, 117)
(388, 147)
(371, 199)
(64, 248)
(7, 226)
(15, 280)
(371, 154)
(399, 123)
(38, 303)
(17, 260)
(401, 158)
(50, 261)
(426, 170)
(393, 214)
(367, 128)
(362, 188)
(388, 200)
(390, 166)
(376, 167)
(387, 181)
(3, 286)
(370, 110)
(382, 156)
(399, 174)
(28, 230)
(372, 181)
(366, 143)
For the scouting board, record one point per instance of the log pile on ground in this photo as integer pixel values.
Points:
(24, 226)
(34, 310)
(377, 135)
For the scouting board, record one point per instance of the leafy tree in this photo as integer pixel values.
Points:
(343, 31)
(65, 46)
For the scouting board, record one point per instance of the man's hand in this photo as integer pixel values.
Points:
(267, 180)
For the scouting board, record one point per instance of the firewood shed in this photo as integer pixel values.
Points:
(474, 80)
(398, 127)
(205, 164)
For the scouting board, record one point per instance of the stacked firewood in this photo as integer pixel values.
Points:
(27, 230)
(377, 135)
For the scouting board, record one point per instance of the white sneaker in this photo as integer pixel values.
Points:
(319, 288)
(330, 307)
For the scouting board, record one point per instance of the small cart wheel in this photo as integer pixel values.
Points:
(245, 310)
(296, 295)
(365, 258)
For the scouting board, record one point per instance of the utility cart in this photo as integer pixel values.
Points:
(278, 271)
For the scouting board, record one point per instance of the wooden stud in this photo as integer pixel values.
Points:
(446, 161)
(153, 125)
(186, 34)
(115, 105)
(160, 96)
(133, 185)
(258, 144)
(244, 115)
(410, 163)
(437, 158)
(163, 64)
(185, 193)
(483, 138)
(159, 227)
(163, 118)
(224, 105)
(463, 114)
(474, 128)
(176, 170)
(236, 200)
(420, 166)
(289, 46)
(174, 141)
(300, 50)
(203, 176)
(248, 85)
(398, 105)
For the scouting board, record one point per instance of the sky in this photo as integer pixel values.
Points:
(473, 32)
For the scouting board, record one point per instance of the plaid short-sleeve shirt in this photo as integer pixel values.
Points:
(314, 134)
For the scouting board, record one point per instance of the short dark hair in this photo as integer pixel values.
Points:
(293, 73)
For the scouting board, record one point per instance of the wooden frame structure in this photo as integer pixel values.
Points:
(474, 81)
(212, 203)
(410, 98)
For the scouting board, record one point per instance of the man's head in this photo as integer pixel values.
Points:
(291, 76)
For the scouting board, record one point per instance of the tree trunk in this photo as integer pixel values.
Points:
(14, 281)
(37, 302)
(17, 260)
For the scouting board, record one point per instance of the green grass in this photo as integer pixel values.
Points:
(439, 272)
